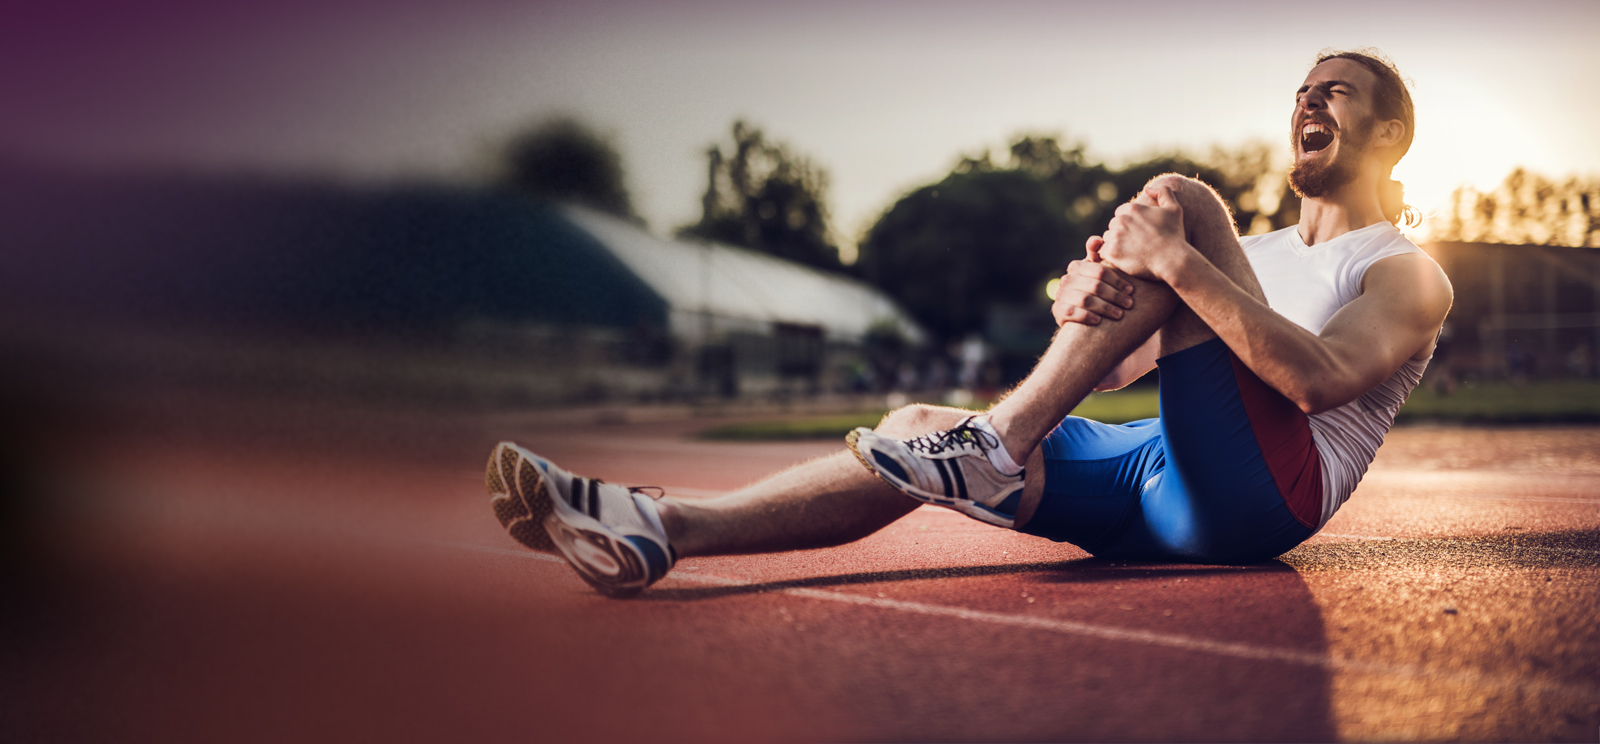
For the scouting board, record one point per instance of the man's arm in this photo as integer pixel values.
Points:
(1403, 302)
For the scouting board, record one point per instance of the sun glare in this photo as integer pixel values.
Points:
(1464, 136)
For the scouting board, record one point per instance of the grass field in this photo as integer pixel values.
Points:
(1573, 401)
(1490, 403)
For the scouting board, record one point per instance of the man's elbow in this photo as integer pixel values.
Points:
(1311, 405)
(1311, 398)
(1315, 399)
(1305, 400)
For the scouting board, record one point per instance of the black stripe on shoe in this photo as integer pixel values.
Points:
(944, 475)
(575, 493)
(594, 498)
(961, 480)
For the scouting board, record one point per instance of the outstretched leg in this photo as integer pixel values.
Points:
(828, 501)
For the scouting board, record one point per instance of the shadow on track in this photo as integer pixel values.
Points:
(1080, 571)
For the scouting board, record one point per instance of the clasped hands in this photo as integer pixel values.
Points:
(1145, 240)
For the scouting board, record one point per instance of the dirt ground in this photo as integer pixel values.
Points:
(259, 570)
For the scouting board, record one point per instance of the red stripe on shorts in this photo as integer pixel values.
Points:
(1283, 432)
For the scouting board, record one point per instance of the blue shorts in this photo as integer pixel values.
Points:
(1228, 474)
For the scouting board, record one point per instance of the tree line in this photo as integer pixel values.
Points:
(1526, 209)
(988, 235)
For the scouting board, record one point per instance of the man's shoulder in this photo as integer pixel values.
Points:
(1412, 274)
(1389, 242)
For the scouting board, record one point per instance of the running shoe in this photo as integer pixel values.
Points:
(611, 535)
(951, 468)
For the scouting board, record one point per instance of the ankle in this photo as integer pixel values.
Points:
(1015, 452)
(673, 521)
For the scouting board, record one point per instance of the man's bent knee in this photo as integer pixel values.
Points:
(919, 418)
(1194, 195)
(1183, 186)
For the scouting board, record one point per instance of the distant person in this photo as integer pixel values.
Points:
(1283, 359)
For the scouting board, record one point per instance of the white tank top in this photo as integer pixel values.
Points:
(1308, 284)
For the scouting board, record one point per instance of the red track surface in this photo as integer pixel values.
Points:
(327, 576)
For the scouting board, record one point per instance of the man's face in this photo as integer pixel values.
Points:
(1331, 127)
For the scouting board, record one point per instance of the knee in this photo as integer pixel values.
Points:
(1177, 183)
(1200, 202)
(918, 419)
(1189, 191)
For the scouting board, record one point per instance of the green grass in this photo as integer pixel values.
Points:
(1113, 408)
(810, 427)
(1568, 401)
(1120, 407)
(1489, 403)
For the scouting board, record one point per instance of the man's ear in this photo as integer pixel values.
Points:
(1389, 132)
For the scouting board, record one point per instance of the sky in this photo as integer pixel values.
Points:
(885, 96)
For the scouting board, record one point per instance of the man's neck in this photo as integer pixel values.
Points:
(1352, 207)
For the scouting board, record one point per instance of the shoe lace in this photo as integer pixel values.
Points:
(963, 435)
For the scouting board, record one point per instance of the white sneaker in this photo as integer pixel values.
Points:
(953, 468)
(611, 535)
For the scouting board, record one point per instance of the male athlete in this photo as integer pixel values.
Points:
(1283, 360)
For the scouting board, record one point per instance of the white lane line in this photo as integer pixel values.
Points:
(1487, 546)
(1112, 633)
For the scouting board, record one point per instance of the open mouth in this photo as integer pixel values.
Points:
(1314, 137)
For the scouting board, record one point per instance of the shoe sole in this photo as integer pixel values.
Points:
(611, 564)
(518, 494)
(965, 506)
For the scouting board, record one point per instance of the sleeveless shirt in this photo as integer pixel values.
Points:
(1307, 285)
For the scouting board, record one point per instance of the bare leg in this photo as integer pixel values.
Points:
(828, 501)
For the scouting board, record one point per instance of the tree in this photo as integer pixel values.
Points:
(1239, 177)
(993, 234)
(1527, 208)
(1242, 176)
(765, 197)
(951, 250)
(563, 160)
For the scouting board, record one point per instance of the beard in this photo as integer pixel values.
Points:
(1316, 179)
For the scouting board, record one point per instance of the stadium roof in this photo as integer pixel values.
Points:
(737, 284)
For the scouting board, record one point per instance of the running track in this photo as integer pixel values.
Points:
(244, 572)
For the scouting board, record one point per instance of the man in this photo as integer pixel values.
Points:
(1283, 361)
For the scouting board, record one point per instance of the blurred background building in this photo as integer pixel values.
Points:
(420, 290)
(1521, 311)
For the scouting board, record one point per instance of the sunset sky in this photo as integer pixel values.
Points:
(884, 95)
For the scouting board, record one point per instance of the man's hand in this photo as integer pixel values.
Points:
(1091, 291)
(1145, 238)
